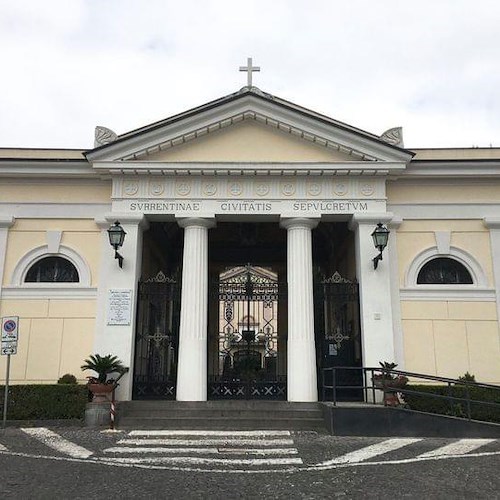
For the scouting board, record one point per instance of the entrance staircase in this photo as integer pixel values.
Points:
(220, 415)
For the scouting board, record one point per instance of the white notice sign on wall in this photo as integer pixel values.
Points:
(119, 307)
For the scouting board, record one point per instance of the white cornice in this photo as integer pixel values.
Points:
(248, 169)
(452, 169)
(250, 107)
(46, 168)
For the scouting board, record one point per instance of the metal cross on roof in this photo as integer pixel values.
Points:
(249, 69)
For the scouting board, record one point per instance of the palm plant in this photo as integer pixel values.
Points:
(103, 366)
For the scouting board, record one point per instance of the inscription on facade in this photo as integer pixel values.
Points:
(119, 307)
(342, 206)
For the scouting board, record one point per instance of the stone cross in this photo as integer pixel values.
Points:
(249, 69)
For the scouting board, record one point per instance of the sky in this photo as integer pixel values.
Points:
(430, 66)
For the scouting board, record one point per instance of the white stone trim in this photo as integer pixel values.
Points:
(480, 282)
(54, 210)
(38, 253)
(69, 291)
(442, 293)
(156, 168)
(46, 168)
(397, 327)
(473, 169)
(451, 211)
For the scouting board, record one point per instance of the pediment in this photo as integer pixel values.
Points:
(249, 127)
(249, 141)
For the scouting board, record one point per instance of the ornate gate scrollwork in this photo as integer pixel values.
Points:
(248, 337)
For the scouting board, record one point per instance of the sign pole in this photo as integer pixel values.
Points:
(6, 393)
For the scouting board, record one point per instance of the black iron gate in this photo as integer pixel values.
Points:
(338, 339)
(248, 339)
(156, 341)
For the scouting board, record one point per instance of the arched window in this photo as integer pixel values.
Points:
(52, 269)
(444, 271)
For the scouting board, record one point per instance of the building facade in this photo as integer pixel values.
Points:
(248, 254)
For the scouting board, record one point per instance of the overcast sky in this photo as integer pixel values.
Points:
(431, 66)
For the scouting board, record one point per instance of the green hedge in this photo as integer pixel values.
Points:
(423, 402)
(45, 402)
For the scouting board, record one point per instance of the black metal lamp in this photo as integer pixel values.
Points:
(116, 235)
(380, 236)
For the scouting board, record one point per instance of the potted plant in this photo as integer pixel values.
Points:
(101, 385)
(389, 382)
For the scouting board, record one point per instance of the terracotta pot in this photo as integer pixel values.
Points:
(100, 392)
(391, 399)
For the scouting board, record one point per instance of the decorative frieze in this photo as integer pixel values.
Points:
(209, 195)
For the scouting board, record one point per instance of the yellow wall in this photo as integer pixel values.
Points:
(50, 191)
(55, 336)
(250, 141)
(471, 236)
(81, 235)
(449, 338)
(442, 191)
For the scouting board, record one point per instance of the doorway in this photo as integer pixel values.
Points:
(336, 312)
(247, 312)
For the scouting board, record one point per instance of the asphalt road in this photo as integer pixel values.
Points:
(78, 463)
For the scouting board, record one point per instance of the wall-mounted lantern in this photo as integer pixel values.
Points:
(116, 235)
(380, 236)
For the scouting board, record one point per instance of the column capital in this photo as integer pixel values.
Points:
(6, 221)
(295, 222)
(492, 222)
(196, 222)
(369, 219)
(395, 222)
(135, 219)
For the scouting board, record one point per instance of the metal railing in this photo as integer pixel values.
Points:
(370, 385)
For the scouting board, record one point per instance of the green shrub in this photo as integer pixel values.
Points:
(425, 402)
(45, 402)
(67, 378)
(467, 377)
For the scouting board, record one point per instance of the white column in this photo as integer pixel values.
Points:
(192, 362)
(5, 223)
(375, 300)
(493, 223)
(119, 340)
(301, 351)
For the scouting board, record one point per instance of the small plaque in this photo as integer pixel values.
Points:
(332, 350)
(119, 307)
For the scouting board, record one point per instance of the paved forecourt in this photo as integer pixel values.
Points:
(235, 451)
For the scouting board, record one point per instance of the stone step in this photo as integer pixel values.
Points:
(219, 404)
(224, 413)
(220, 413)
(256, 415)
(221, 423)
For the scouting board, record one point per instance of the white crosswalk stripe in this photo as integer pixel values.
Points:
(57, 442)
(461, 447)
(3, 448)
(208, 442)
(209, 433)
(252, 449)
(372, 451)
